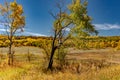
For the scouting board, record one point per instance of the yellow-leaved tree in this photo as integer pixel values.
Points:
(77, 21)
(13, 21)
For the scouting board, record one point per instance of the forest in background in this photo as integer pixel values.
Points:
(90, 42)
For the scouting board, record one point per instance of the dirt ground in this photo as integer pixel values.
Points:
(109, 54)
(21, 50)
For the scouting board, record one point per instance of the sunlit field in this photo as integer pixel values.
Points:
(99, 64)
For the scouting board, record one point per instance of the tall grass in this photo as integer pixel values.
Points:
(33, 70)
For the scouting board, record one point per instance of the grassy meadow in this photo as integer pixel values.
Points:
(95, 64)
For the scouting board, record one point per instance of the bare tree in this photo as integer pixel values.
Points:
(61, 23)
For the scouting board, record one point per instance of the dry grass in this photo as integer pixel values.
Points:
(96, 65)
(23, 49)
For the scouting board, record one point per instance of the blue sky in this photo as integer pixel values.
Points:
(105, 14)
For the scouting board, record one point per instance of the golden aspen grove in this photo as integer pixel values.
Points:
(74, 48)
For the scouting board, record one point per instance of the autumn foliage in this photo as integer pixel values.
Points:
(13, 21)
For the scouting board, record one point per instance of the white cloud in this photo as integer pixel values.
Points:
(106, 26)
(67, 29)
(2, 30)
(33, 34)
(103, 27)
(25, 33)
